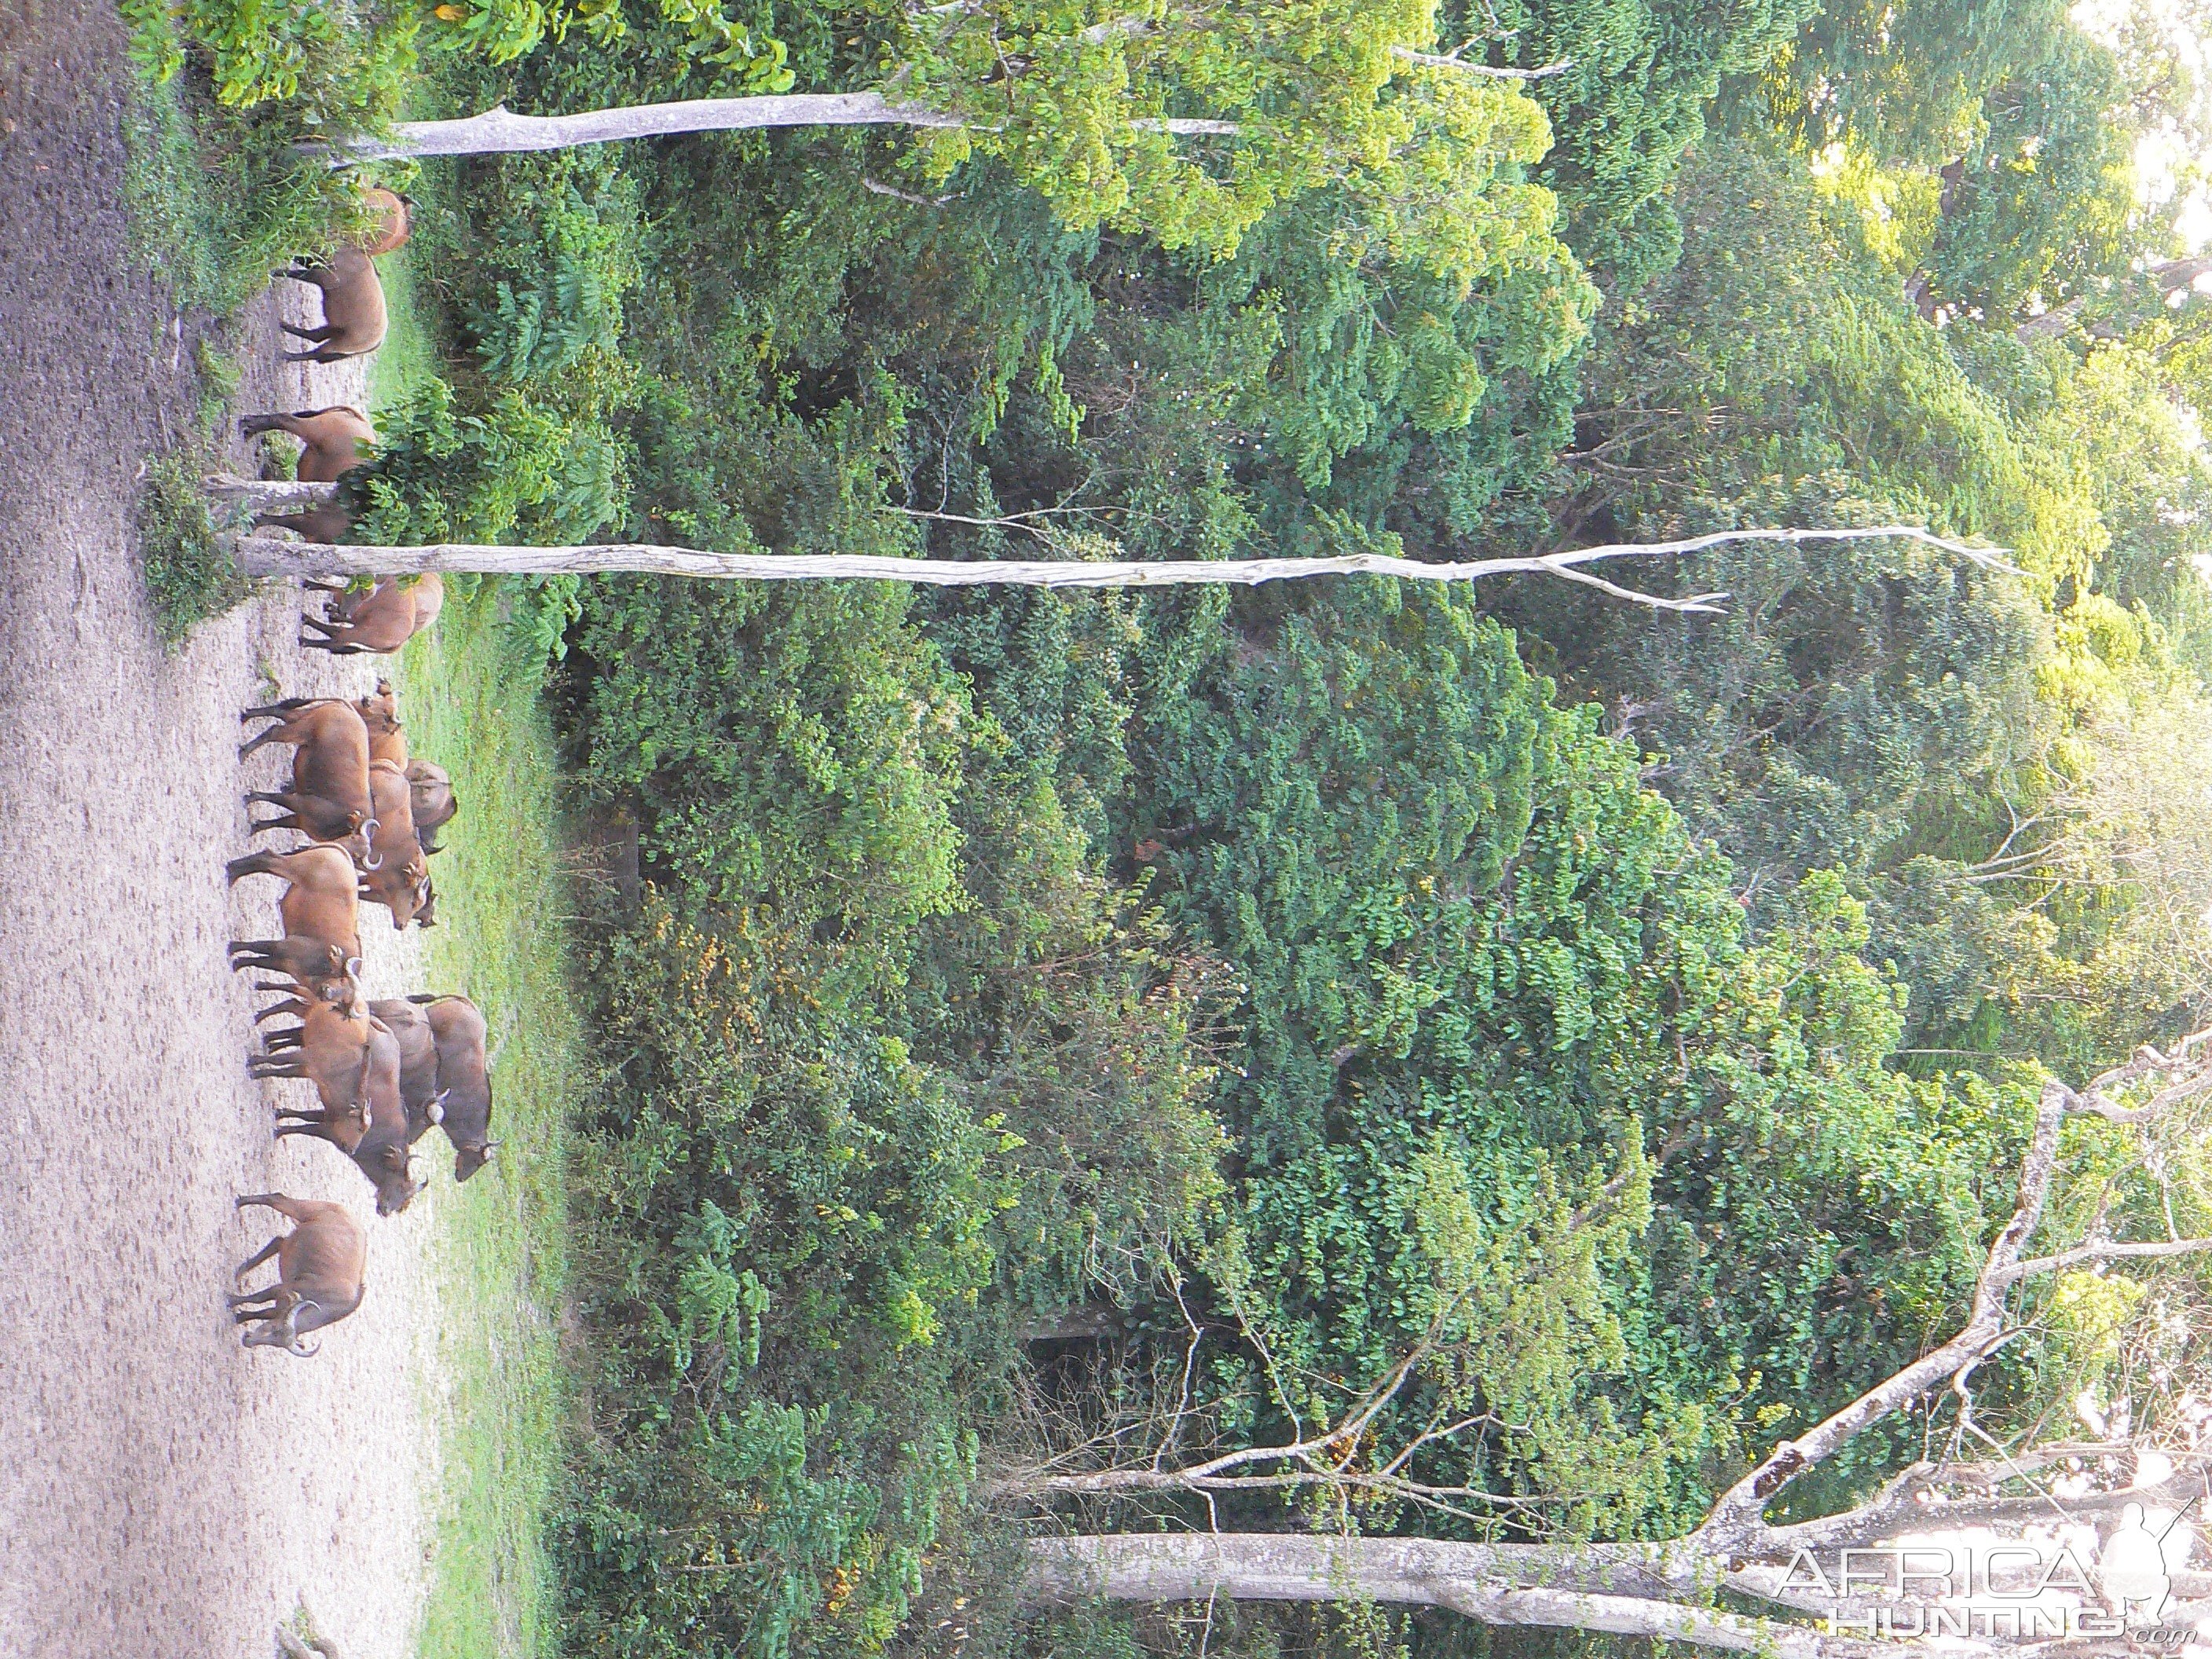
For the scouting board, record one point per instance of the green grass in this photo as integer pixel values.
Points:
(188, 577)
(407, 359)
(495, 1398)
(215, 234)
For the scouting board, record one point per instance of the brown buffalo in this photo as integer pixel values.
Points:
(318, 1274)
(430, 799)
(381, 1152)
(381, 620)
(394, 220)
(331, 440)
(379, 713)
(327, 525)
(400, 878)
(330, 1049)
(330, 798)
(321, 901)
(317, 972)
(353, 308)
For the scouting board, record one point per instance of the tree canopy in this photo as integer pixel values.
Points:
(1058, 1037)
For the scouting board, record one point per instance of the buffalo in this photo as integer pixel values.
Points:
(318, 1274)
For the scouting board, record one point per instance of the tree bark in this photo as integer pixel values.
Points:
(269, 495)
(261, 556)
(499, 129)
(1620, 1589)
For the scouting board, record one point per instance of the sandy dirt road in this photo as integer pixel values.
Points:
(161, 1491)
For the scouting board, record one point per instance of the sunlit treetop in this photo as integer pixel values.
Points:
(1191, 121)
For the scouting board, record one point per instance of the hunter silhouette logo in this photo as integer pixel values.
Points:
(2133, 1566)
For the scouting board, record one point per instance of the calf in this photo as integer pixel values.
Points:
(330, 1048)
(329, 799)
(464, 1081)
(400, 878)
(353, 308)
(381, 620)
(318, 1274)
(320, 908)
(430, 800)
(331, 438)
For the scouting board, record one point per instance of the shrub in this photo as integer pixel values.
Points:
(189, 578)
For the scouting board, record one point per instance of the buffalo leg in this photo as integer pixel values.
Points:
(253, 1261)
(262, 739)
(318, 335)
(320, 1132)
(253, 864)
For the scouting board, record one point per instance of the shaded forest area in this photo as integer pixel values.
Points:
(1055, 1035)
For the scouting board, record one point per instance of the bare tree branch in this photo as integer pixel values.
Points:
(1614, 1590)
(2105, 1252)
(1454, 61)
(500, 130)
(877, 187)
(269, 557)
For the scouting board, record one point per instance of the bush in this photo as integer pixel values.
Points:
(189, 578)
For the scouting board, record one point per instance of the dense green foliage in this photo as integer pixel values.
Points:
(188, 578)
(1038, 1018)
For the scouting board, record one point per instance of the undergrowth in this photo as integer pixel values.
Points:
(188, 577)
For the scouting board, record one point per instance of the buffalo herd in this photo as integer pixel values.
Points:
(383, 1074)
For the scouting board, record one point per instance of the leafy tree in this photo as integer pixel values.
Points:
(2040, 204)
(1907, 81)
(1640, 79)
(1469, 935)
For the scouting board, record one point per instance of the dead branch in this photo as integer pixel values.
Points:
(1454, 61)
(269, 557)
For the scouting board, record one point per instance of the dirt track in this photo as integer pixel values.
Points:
(161, 1491)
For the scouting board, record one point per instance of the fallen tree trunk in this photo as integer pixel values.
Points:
(1621, 1590)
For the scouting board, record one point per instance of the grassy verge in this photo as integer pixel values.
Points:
(494, 1398)
(407, 358)
(214, 232)
(188, 577)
